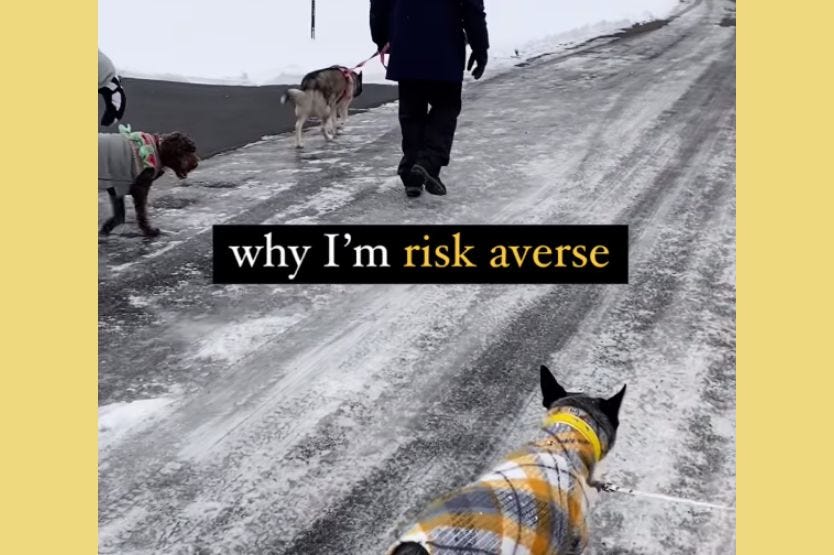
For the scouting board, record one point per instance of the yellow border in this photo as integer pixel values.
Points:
(785, 181)
(48, 392)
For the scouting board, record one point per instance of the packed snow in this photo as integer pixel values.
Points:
(117, 420)
(233, 341)
(263, 41)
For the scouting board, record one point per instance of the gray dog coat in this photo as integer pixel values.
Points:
(123, 156)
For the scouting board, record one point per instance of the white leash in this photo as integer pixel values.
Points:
(604, 486)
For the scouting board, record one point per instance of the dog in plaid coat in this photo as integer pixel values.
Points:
(536, 501)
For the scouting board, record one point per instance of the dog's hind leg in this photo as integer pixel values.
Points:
(299, 129)
(327, 126)
(344, 115)
(341, 117)
(140, 191)
(325, 130)
(334, 119)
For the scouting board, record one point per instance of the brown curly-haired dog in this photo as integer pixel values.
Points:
(128, 164)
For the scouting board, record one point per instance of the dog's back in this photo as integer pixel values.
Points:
(335, 82)
(117, 163)
(329, 81)
(535, 501)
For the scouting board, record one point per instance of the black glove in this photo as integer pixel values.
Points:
(114, 102)
(479, 60)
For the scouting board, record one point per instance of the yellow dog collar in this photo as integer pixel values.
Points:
(584, 429)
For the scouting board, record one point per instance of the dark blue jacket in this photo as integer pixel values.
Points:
(428, 37)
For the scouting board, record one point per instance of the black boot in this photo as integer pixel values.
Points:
(432, 182)
(413, 184)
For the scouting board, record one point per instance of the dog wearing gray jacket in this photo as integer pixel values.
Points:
(128, 164)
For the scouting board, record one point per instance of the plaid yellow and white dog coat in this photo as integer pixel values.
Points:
(534, 503)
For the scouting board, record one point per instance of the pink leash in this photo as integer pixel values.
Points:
(381, 55)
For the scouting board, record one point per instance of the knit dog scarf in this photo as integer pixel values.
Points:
(145, 145)
(534, 503)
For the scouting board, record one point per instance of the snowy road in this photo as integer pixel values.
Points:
(320, 419)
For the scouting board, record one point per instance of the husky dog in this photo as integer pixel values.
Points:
(326, 94)
(536, 501)
(128, 164)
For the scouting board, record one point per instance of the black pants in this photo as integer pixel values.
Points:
(428, 118)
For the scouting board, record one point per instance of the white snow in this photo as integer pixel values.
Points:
(138, 301)
(116, 420)
(268, 41)
(231, 342)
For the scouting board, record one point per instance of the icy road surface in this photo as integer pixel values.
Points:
(321, 419)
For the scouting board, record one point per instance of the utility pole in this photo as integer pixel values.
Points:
(313, 19)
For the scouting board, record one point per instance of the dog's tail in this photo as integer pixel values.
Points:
(292, 94)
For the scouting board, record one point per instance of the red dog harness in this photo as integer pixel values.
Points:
(348, 74)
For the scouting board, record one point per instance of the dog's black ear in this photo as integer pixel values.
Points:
(611, 407)
(551, 390)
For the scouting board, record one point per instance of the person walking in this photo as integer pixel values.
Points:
(427, 40)
(110, 89)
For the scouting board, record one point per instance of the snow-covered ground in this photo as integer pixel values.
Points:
(257, 42)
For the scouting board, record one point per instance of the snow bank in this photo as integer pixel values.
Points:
(256, 42)
(116, 420)
(231, 342)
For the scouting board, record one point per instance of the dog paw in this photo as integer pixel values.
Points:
(597, 485)
(151, 232)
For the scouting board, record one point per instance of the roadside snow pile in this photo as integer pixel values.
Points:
(231, 342)
(116, 420)
(264, 41)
